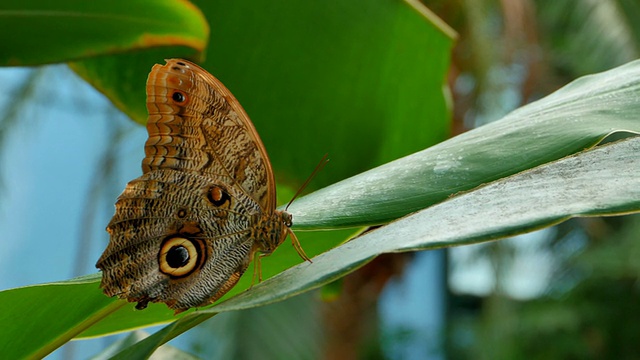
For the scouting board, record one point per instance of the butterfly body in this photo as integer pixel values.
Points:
(185, 231)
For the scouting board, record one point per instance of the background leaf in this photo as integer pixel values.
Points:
(40, 32)
(362, 82)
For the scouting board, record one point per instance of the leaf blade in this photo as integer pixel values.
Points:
(576, 117)
(439, 225)
(66, 30)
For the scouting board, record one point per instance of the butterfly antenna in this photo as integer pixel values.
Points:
(319, 167)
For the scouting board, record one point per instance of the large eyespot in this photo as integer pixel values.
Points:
(219, 197)
(179, 256)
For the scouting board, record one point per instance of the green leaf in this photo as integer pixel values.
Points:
(39, 31)
(601, 181)
(43, 317)
(362, 82)
(573, 118)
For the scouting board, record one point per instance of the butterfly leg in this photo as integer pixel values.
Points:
(257, 269)
(297, 246)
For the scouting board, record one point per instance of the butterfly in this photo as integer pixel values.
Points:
(185, 231)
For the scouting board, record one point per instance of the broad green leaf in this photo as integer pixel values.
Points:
(361, 81)
(596, 182)
(573, 118)
(38, 319)
(39, 31)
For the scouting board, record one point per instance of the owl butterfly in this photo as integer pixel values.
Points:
(185, 231)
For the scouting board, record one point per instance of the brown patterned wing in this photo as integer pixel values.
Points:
(195, 124)
(185, 231)
(174, 240)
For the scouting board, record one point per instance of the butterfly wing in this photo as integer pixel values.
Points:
(185, 231)
(196, 124)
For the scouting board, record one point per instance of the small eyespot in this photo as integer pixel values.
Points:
(178, 257)
(182, 213)
(179, 97)
(219, 197)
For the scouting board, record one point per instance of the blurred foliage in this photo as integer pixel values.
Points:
(510, 53)
(590, 310)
